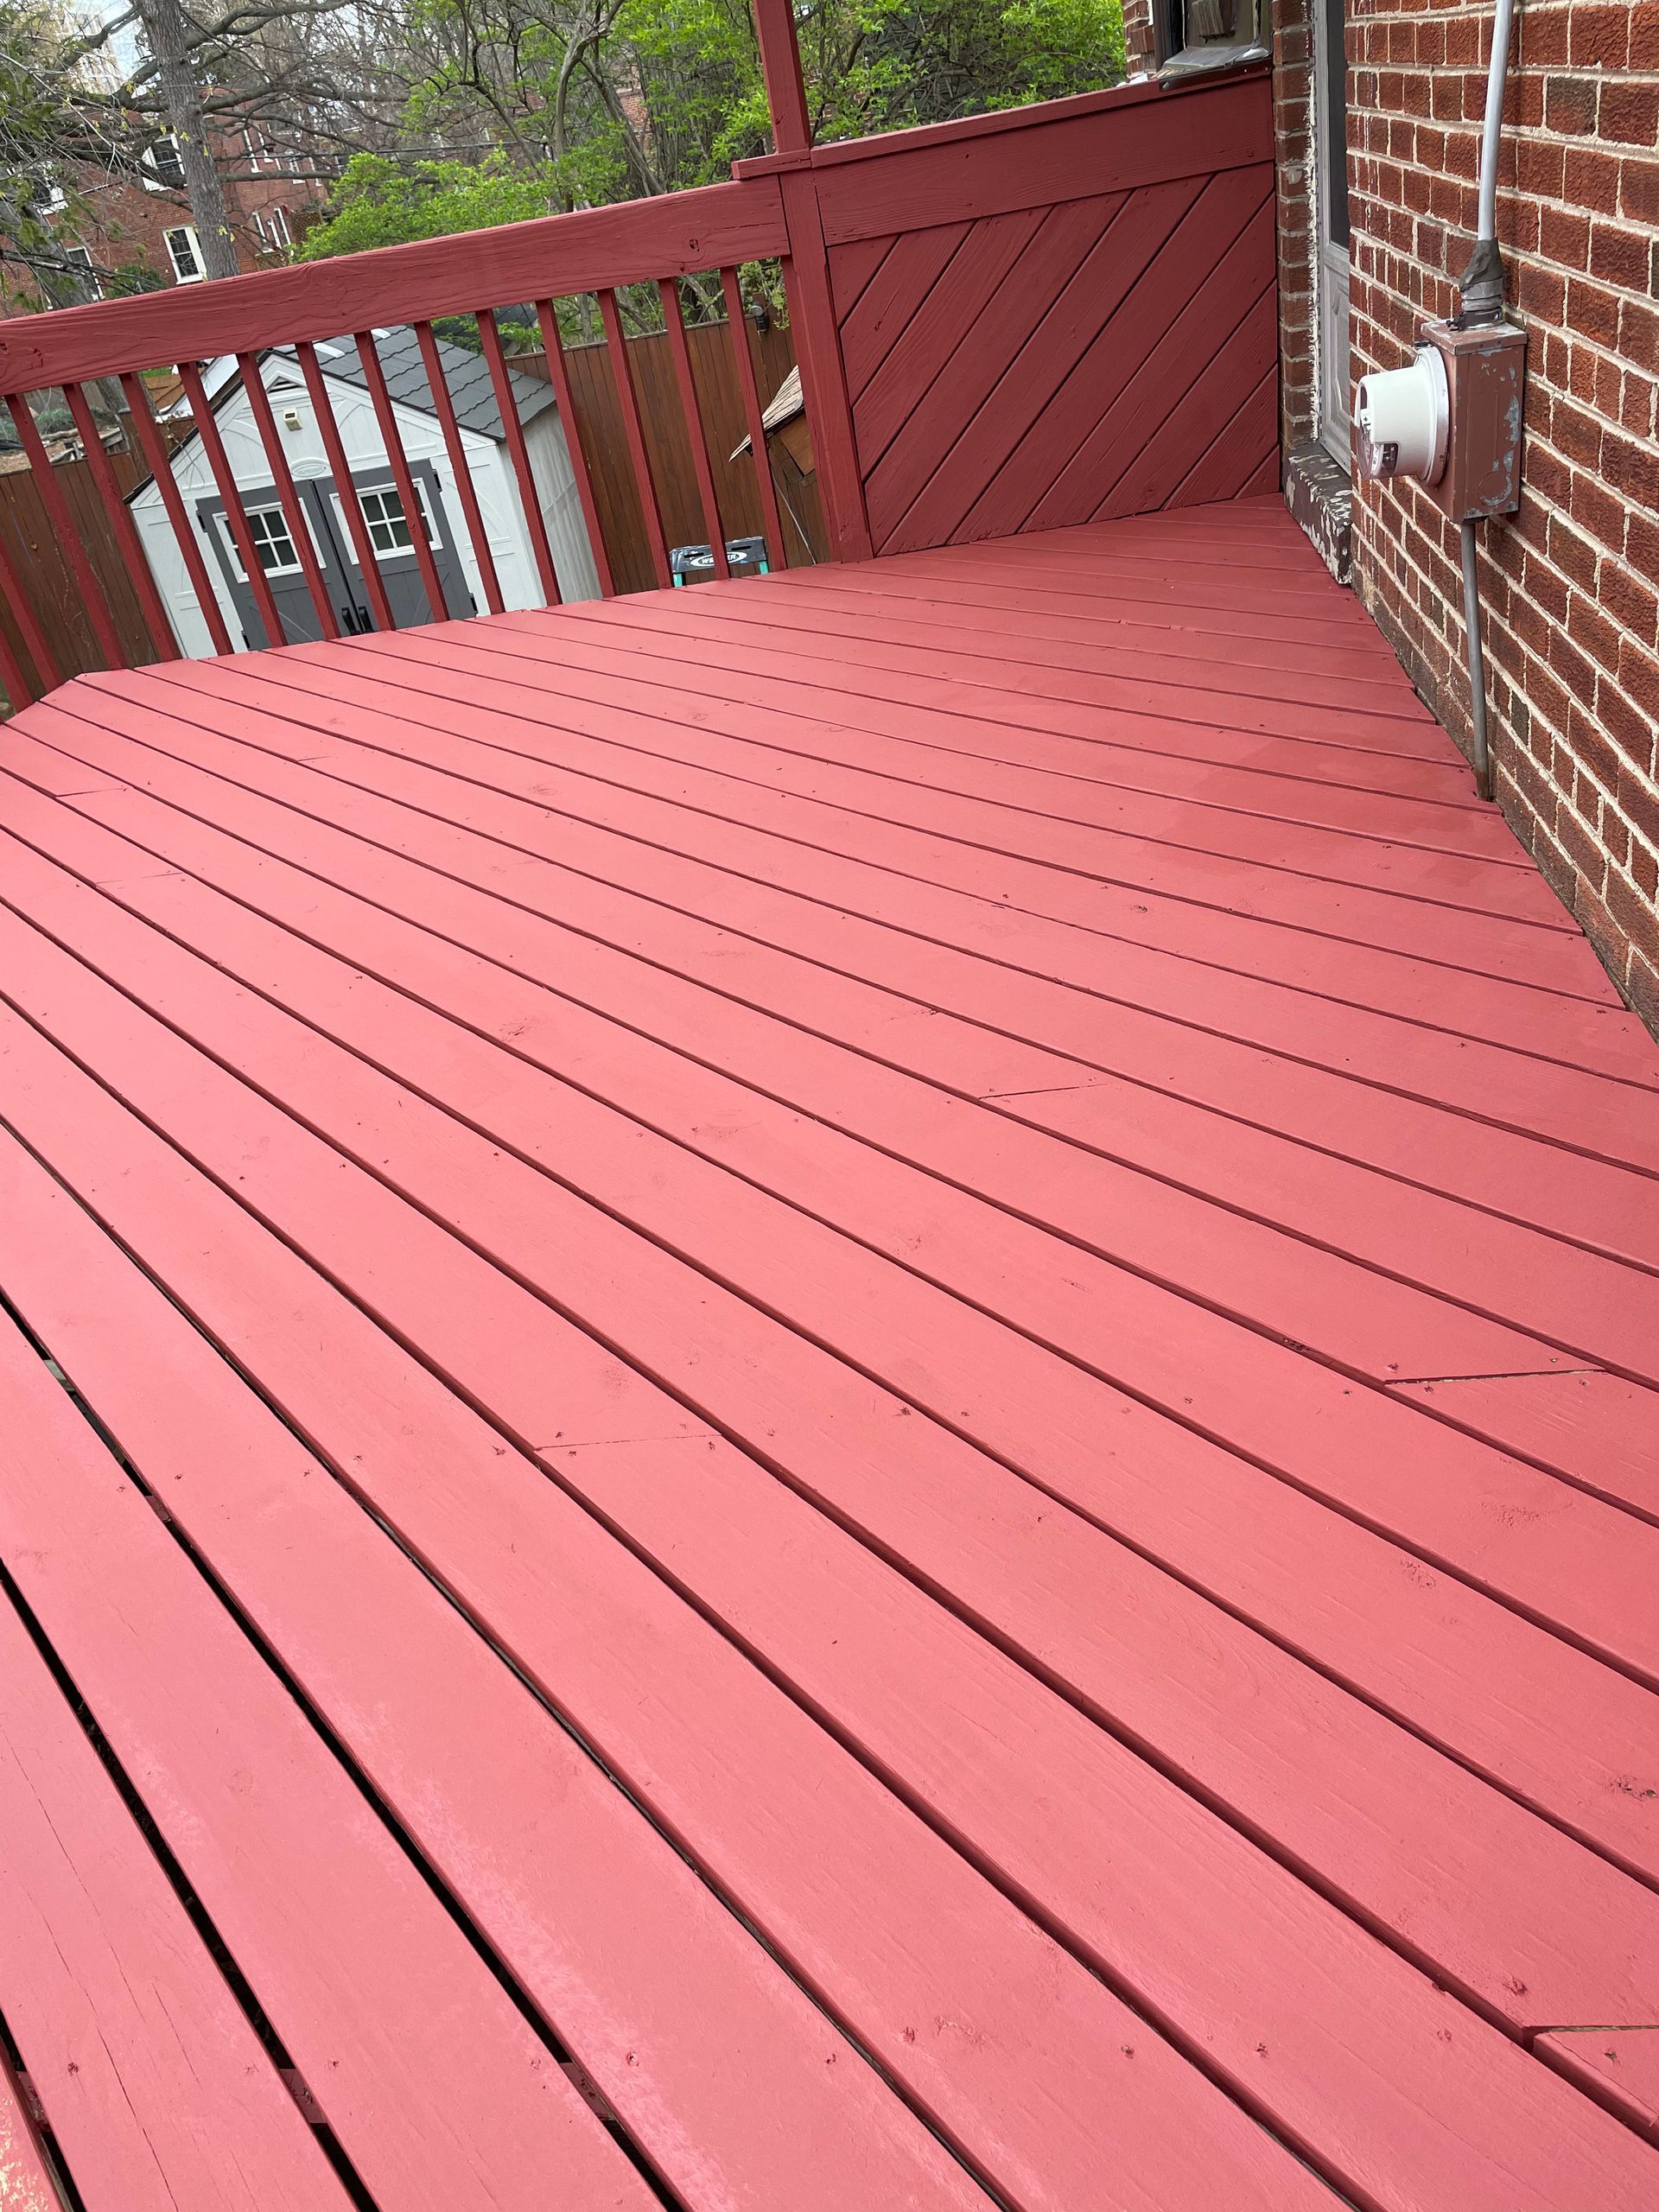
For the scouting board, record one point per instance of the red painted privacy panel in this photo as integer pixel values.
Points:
(1054, 359)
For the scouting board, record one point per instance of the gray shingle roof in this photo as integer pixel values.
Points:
(467, 374)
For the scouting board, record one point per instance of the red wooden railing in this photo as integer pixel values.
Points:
(973, 306)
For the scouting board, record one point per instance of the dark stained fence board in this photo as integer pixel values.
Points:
(600, 423)
(38, 558)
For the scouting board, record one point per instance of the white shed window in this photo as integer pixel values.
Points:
(272, 542)
(184, 248)
(389, 530)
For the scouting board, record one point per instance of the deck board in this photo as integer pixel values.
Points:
(963, 1242)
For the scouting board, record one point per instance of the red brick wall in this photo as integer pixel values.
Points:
(1571, 584)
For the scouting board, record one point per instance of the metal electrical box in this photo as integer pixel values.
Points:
(1485, 376)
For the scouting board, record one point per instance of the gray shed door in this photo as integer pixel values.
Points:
(389, 532)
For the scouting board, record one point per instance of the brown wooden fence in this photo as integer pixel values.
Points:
(37, 555)
(721, 404)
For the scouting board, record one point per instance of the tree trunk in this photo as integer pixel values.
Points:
(167, 35)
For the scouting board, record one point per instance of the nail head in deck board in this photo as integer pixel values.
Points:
(1617, 2066)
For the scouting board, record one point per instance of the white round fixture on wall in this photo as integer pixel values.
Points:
(1402, 416)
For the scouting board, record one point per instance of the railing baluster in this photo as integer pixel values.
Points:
(559, 370)
(47, 671)
(351, 506)
(57, 513)
(161, 467)
(502, 381)
(299, 523)
(651, 514)
(121, 522)
(444, 408)
(754, 414)
(375, 377)
(202, 414)
(680, 352)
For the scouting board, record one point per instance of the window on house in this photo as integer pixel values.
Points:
(1199, 34)
(253, 145)
(163, 167)
(81, 257)
(272, 542)
(184, 248)
(389, 530)
(280, 233)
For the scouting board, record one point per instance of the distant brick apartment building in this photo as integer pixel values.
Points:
(1376, 190)
(114, 223)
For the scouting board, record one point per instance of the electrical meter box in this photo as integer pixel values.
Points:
(1450, 419)
(1485, 378)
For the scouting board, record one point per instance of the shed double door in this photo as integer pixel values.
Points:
(389, 532)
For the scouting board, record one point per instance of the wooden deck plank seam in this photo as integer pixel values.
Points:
(1504, 1055)
(660, 1381)
(1142, 1271)
(1621, 1025)
(1100, 1077)
(235, 1979)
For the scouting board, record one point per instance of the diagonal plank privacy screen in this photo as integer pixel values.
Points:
(1054, 364)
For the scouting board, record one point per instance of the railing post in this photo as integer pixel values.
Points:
(812, 300)
(780, 64)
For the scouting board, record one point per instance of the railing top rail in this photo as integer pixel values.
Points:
(1112, 99)
(715, 227)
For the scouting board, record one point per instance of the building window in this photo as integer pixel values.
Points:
(253, 145)
(163, 167)
(389, 530)
(281, 234)
(184, 248)
(272, 542)
(80, 257)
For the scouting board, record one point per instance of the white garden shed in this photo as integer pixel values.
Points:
(482, 441)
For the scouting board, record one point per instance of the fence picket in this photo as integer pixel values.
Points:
(627, 402)
(673, 324)
(753, 416)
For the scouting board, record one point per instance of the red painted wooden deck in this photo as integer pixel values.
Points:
(861, 1408)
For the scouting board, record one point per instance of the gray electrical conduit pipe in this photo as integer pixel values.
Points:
(1481, 290)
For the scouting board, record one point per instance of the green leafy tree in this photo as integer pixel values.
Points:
(511, 108)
